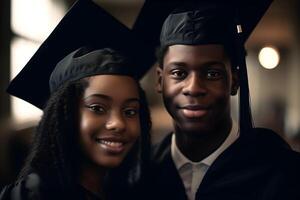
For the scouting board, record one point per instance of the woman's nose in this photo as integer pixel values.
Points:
(115, 122)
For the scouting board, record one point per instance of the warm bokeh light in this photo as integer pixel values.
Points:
(35, 19)
(21, 52)
(124, 11)
(269, 57)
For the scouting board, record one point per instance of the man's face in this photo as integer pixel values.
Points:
(196, 82)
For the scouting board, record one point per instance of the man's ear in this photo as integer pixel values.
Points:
(159, 74)
(235, 83)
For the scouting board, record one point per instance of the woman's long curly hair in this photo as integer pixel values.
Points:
(55, 151)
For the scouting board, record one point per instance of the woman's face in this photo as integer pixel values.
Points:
(109, 119)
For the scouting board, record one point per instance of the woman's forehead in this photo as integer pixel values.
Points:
(114, 86)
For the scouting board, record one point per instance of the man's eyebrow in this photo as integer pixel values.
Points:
(177, 64)
(214, 63)
(183, 64)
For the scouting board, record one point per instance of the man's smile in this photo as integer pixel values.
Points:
(193, 110)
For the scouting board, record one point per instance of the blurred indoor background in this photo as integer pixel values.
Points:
(273, 66)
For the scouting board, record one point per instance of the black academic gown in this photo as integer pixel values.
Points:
(258, 165)
(32, 187)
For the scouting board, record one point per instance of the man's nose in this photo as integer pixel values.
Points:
(194, 86)
(115, 122)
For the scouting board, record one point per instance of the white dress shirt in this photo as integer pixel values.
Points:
(192, 173)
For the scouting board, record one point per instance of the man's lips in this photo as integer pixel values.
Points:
(194, 111)
(194, 107)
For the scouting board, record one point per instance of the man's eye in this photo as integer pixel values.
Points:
(179, 73)
(130, 112)
(96, 109)
(214, 74)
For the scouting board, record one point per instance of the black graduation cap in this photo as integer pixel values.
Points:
(211, 21)
(218, 22)
(86, 61)
(87, 24)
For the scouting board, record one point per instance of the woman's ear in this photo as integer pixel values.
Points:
(159, 73)
(235, 83)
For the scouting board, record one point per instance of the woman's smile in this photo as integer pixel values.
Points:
(112, 145)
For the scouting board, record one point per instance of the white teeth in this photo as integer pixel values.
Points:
(109, 143)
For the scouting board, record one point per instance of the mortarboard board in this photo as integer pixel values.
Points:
(87, 24)
(204, 21)
(218, 22)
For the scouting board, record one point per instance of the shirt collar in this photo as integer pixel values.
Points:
(180, 159)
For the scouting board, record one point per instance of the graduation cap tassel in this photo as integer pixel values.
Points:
(245, 116)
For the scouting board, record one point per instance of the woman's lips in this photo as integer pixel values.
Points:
(111, 146)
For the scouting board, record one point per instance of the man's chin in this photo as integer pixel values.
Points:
(197, 129)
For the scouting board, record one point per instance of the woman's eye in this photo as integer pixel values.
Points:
(130, 112)
(96, 109)
(179, 73)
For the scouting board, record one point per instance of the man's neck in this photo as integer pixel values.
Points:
(197, 146)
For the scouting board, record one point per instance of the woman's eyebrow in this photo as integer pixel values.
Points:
(105, 97)
(102, 96)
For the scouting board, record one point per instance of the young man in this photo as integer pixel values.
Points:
(208, 156)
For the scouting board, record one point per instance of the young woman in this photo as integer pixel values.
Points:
(92, 141)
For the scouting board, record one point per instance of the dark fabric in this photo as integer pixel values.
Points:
(33, 188)
(211, 22)
(87, 24)
(30, 187)
(259, 166)
(84, 62)
(206, 23)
